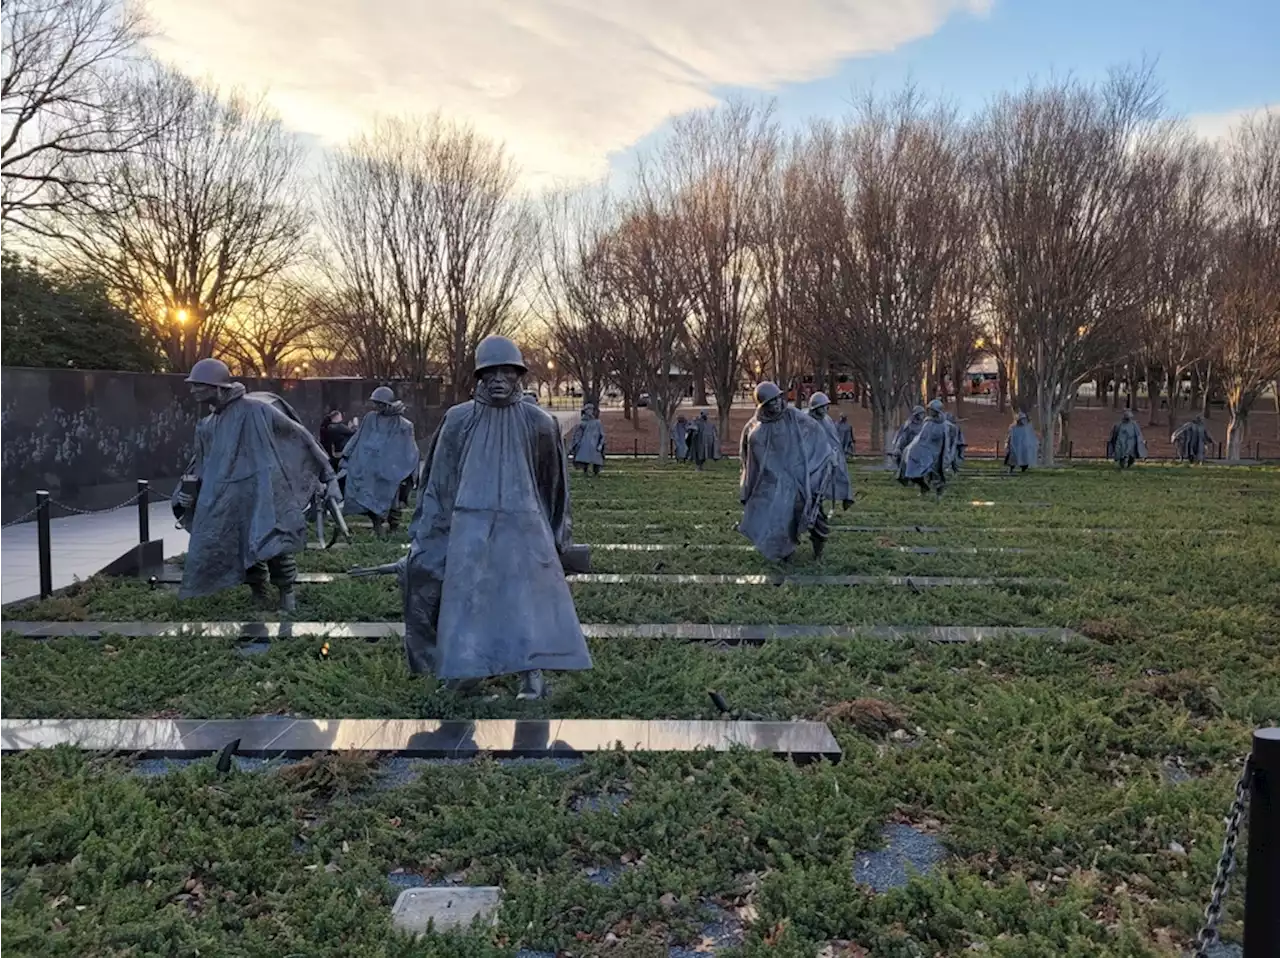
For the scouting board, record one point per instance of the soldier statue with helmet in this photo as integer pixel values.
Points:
(379, 462)
(483, 584)
(245, 494)
(787, 460)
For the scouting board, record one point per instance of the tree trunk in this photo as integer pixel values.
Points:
(1275, 387)
(877, 433)
(1002, 386)
(664, 436)
(1064, 421)
(1115, 398)
(1172, 384)
(1197, 391)
(864, 395)
(1047, 419)
(959, 381)
(699, 388)
(1153, 398)
(1237, 429)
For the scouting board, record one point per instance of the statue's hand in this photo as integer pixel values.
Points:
(185, 500)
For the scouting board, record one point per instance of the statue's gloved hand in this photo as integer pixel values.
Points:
(332, 492)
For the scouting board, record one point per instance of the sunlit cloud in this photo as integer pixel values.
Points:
(565, 84)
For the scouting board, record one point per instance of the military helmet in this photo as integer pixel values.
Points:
(383, 394)
(818, 399)
(936, 405)
(210, 372)
(767, 391)
(498, 351)
(917, 410)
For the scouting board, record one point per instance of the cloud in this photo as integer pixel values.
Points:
(564, 83)
(1216, 126)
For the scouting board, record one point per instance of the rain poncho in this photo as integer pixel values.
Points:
(587, 443)
(704, 439)
(1023, 446)
(484, 591)
(259, 469)
(845, 431)
(929, 452)
(1191, 441)
(906, 434)
(956, 439)
(378, 458)
(680, 436)
(838, 488)
(1126, 442)
(786, 466)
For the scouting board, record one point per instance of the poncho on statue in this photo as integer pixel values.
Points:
(907, 433)
(258, 470)
(1126, 442)
(484, 591)
(704, 439)
(929, 452)
(378, 458)
(786, 468)
(1022, 445)
(587, 443)
(1191, 441)
(957, 441)
(844, 429)
(680, 436)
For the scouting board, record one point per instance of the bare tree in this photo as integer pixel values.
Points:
(201, 218)
(574, 284)
(1180, 177)
(713, 172)
(1059, 171)
(428, 244)
(68, 93)
(1246, 326)
(780, 252)
(383, 231)
(647, 282)
(272, 334)
(487, 242)
(900, 166)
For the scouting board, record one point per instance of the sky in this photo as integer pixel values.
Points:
(576, 88)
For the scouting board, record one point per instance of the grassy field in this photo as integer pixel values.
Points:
(1078, 787)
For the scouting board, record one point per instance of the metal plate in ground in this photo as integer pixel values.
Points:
(443, 909)
(421, 738)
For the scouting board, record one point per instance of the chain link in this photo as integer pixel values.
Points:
(97, 512)
(21, 518)
(1226, 864)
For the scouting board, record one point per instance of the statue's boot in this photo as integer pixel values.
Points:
(288, 600)
(532, 686)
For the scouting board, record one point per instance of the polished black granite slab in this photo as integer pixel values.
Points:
(416, 738)
(681, 631)
(171, 577)
(778, 579)
(664, 578)
(717, 547)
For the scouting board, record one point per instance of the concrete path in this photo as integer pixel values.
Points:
(81, 546)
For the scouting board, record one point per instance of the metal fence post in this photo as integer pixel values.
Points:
(1262, 879)
(635, 448)
(44, 544)
(144, 511)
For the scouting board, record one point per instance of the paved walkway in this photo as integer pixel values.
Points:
(80, 545)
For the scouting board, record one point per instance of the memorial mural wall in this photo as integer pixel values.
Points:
(87, 436)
